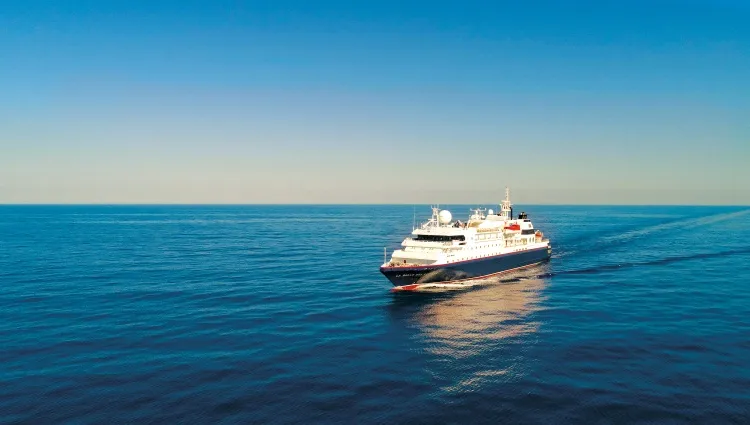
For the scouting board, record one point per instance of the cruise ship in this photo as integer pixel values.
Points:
(443, 253)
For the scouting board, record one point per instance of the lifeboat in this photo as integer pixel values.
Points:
(513, 227)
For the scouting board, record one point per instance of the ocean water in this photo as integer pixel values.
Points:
(278, 314)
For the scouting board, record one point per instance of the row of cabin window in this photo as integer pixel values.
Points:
(486, 255)
(439, 238)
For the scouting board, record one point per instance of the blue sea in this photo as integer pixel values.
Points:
(278, 314)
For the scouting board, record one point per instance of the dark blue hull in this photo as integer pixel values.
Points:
(463, 270)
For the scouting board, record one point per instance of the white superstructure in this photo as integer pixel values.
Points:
(441, 240)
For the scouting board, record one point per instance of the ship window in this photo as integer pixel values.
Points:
(438, 238)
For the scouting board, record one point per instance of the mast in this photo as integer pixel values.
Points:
(505, 206)
(436, 216)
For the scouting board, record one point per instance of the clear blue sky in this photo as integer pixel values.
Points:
(374, 101)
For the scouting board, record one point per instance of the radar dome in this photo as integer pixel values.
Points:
(490, 212)
(445, 217)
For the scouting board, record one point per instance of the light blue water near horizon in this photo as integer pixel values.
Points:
(278, 314)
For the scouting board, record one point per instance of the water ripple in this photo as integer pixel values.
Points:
(184, 314)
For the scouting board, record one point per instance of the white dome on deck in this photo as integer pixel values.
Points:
(445, 217)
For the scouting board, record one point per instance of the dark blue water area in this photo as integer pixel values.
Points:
(278, 314)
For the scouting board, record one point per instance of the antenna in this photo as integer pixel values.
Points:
(414, 218)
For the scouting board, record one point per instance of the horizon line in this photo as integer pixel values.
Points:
(135, 204)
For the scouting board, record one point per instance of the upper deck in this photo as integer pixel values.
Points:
(444, 240)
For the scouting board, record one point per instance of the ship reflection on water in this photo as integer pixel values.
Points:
(497, 312)
(495, 322)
